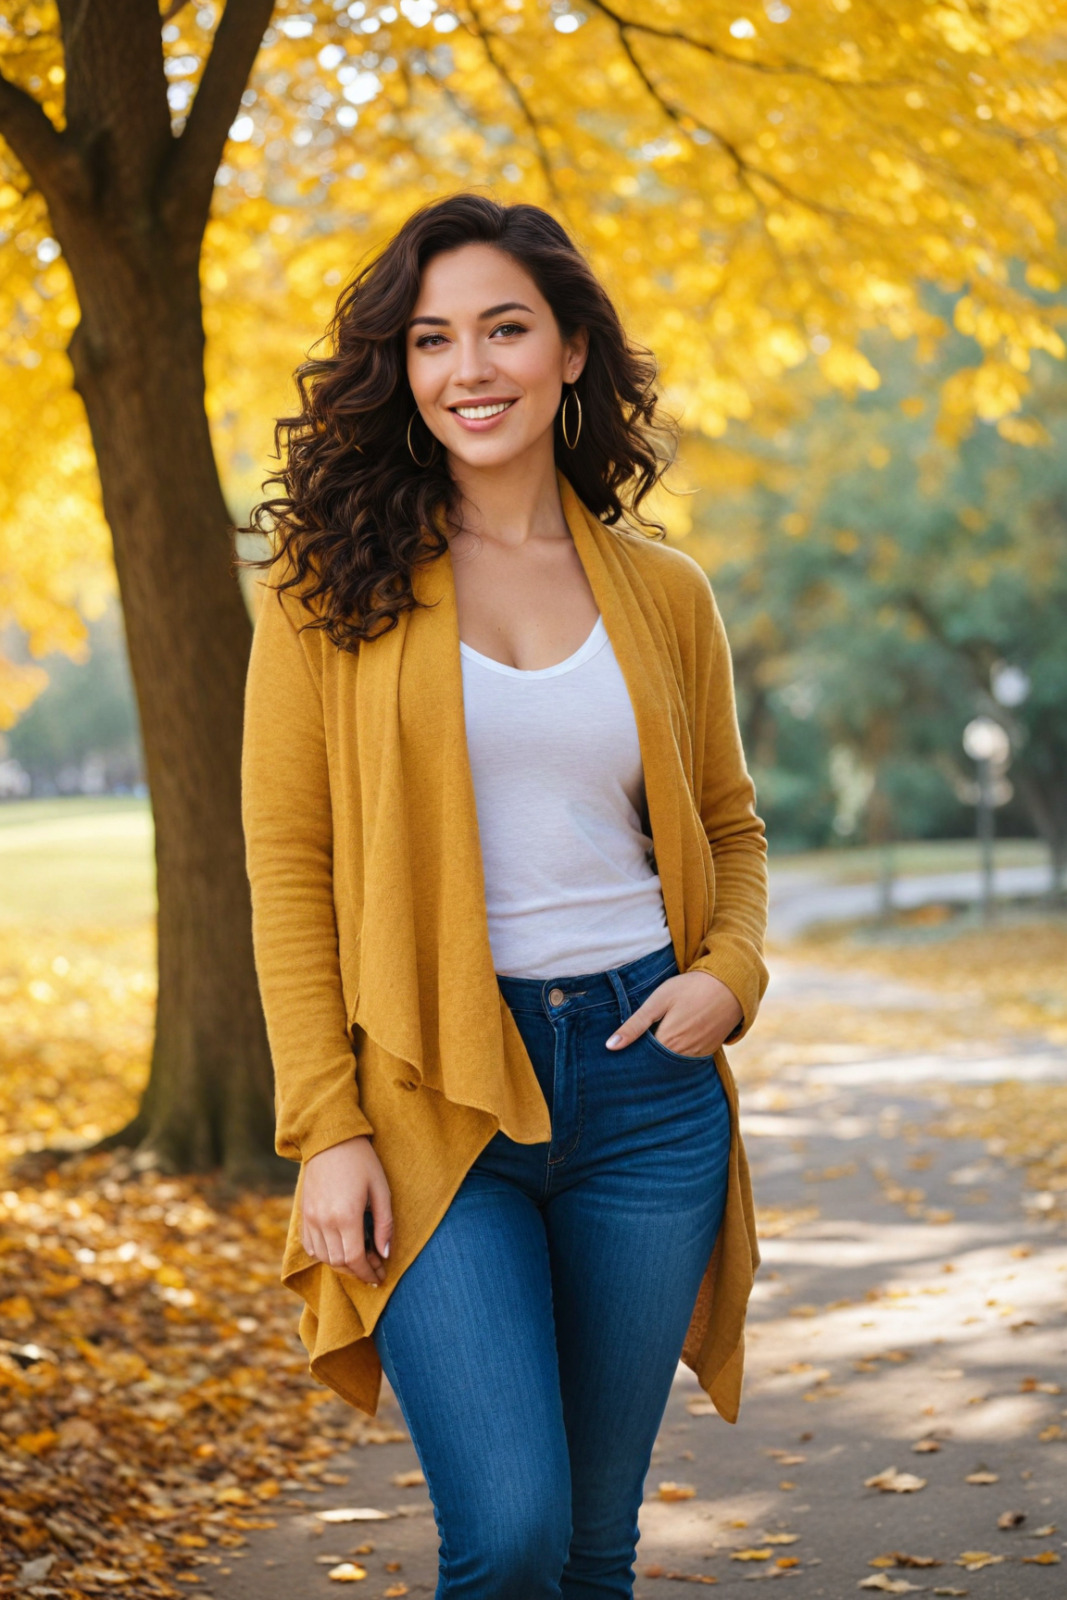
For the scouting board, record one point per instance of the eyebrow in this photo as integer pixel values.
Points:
(494, 311)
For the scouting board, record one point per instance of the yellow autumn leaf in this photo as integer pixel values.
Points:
(36, 1444)
(669, 1490)
(890, 1481)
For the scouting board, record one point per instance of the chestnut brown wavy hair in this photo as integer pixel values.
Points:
(356, 513)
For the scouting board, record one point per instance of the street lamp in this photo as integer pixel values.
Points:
(989, 747)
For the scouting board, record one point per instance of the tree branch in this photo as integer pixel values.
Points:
(745, 169)
(770, 69)
(33, 138)
(487, 39)
(188, 184)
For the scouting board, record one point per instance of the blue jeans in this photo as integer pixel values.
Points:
(532, 1342)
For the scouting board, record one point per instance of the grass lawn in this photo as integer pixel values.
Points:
(76, 861)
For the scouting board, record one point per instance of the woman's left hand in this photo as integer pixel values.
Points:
(697, 1011)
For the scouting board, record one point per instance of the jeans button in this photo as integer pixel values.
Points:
(556, 996)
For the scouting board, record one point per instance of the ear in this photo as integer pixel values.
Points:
(575, 353)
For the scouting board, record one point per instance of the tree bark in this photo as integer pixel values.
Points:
(128, 203)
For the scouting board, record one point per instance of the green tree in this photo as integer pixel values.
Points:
(879, 583)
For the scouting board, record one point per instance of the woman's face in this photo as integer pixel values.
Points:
(485, 357)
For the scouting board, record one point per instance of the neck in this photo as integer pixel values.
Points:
(514, 502)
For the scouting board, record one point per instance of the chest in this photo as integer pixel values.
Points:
(567, 732)
(526, 607)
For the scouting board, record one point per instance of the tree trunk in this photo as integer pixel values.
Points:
(138, 366)
(128, 201)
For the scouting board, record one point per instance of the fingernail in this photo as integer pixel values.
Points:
(615, 1039)
(385, 1252)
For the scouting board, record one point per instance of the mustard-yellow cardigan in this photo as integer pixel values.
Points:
(371, 938)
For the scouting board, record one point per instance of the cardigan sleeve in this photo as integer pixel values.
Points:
(285, 801)
(732, 950)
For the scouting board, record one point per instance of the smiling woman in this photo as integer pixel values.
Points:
(471, 301)
(504, 852)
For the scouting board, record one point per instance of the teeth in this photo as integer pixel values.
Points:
(475, 413)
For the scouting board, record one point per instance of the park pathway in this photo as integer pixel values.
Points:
(909, 1318)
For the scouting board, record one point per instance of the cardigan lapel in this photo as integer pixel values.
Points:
(646, 651)
(427, 989)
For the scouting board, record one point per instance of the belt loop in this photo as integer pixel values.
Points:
(617, 984)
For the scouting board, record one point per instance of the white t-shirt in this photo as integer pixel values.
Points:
(569, 879)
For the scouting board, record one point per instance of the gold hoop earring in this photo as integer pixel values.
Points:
(570, 443)
(414, 457)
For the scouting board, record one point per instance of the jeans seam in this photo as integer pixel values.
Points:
(554, 1161)
(444, 1561)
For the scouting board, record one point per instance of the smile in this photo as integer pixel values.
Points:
(480, 413)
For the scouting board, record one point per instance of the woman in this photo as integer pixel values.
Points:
(509, 898)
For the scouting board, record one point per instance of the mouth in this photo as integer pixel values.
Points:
(480, 413)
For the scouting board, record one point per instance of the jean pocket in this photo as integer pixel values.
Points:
(675, 1055)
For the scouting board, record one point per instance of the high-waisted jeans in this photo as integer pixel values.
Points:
(532, 1342)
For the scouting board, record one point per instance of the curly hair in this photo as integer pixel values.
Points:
(356, 513)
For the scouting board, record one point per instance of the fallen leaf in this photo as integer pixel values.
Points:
(890, 1481)
(749, 1555)
(408, 1480)
(676, 1491)
(395, 1590)
(780, 1538)
(926, 1447)
(1053, 1431)
(898, 1558)
(982, 1477)
(700, 1406)
(1011, 1519)
(347, 1572)
(1046, 1558)
(353, 1514)
(975, 1560)
(948, 1591)
(887, 1585)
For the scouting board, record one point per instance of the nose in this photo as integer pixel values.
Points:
(473, 361)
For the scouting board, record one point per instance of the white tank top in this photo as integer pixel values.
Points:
(569, 878)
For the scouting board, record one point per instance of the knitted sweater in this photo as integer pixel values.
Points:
(371, 937)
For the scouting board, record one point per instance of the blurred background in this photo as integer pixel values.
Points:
(841, 229)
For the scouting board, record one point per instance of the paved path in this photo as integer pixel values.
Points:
(800, 898)
(910, 1291)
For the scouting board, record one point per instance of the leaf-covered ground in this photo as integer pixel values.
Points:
(155, 1405)
(161, 1436)
(988, 991)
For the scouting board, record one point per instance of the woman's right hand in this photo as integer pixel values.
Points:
(340, 1183)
